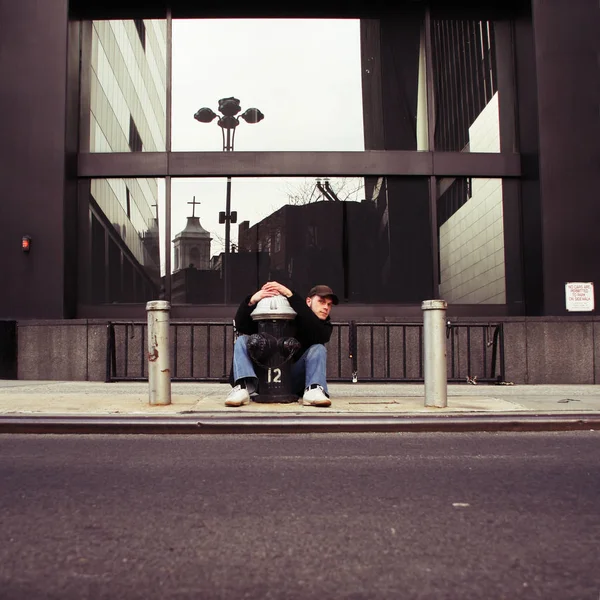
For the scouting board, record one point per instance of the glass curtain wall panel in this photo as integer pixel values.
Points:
(394, 81)
(302, 75)
(120, 251)
(128, 86)
(471, 94)
(471, 240)
(366, 237)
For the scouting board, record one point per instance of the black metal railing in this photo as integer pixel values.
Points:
(200, 351)
(476, 352)
(359, 352)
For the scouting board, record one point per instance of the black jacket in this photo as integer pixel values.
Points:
(309, 329)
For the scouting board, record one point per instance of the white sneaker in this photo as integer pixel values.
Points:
(315, 395)
(238, 396)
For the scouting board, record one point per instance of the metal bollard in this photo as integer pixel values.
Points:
(434, 350)
(159, 371)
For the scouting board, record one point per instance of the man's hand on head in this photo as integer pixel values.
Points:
(262, 293)
(278, 288)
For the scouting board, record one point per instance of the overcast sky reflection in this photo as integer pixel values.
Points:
(303, 74)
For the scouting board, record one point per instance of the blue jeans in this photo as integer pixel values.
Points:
(310, 368)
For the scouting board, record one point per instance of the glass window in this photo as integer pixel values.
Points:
(128, 78)
(286, 85)
(303, 75)
(465, 57)
(367, 237)
(120, 253)
(471, 241)
(394, 81)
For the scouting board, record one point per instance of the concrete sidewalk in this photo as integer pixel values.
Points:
(55, 398)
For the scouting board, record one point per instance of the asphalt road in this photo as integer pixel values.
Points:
(353, 516)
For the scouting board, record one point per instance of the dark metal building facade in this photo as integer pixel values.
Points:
(541, 55)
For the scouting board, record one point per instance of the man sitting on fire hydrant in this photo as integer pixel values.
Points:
(313, 330)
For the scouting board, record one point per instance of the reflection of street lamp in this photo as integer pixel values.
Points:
(228, 107)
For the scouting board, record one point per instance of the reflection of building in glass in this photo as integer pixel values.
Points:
(402, 240)
(194, 278)
(470, 216)
(395, 118)
(195, 286)
(191, 246)
(466, 98)
(472, 247)
(465, 81)
(470, 219)
(320, 242)
(127, 114)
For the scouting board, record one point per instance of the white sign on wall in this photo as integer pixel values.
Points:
(579, 296)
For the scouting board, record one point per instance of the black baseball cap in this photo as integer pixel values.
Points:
(324, 291)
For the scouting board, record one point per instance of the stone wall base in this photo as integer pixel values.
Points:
(537, 350)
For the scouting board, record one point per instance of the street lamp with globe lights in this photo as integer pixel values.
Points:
(229, 108)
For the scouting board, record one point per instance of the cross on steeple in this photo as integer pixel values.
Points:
(193, 203)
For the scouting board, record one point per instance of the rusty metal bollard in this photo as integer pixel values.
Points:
(159, 371)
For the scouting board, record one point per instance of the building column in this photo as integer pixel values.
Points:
(33, 65)
(566, 52)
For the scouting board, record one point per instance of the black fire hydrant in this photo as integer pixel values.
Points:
(272, 349)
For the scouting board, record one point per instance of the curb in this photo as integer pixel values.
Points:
(207, 424)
